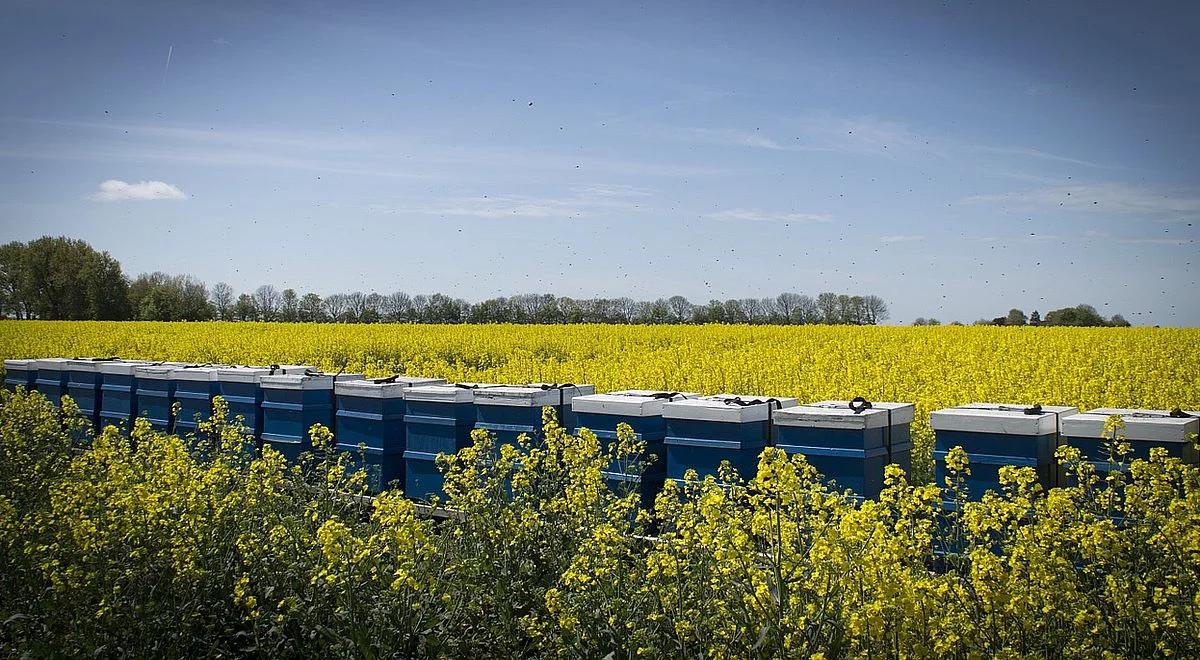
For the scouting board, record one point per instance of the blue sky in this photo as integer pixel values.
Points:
(956, 159)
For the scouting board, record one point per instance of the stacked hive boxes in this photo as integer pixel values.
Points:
(848, 442)
(370, 425)
(292, 404)
(1144, 430)
(996, 435)
(703, 432)
(438, 419)
(642, 410)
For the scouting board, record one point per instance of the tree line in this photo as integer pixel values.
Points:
(64, 278)
(1083, 315)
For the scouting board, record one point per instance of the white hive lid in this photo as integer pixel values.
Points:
(723, 408)
(305, 381)
(630, 403)
(390, 388)
(199, 373)
(245, 374)
(20, 364)
(52, 363)
(91, 365)
(158, 369)
(533, 394)
(121, 367)
(447, 393)
(1001, 418)
(839, 415)
(1140, 424)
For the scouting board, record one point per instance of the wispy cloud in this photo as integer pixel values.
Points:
(902, 238)
(756, 215)
(114, 190)
(586, 201)
(1109, 237)
(1111, 197)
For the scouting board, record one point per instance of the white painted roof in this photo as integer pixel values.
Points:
(200, 373)
(121, 367)
(159, 370)
(447, 393)
(839, 415)
(1140, 424)
(241, 374)
(630, 403)
(1001, 418)
(90, 365)
(305, 381)
(20, 364)
(534, 394)
(717, 408)
(395, 389)
(52, 363)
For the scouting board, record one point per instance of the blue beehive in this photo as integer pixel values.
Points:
(848, 442)
(511, 410)
(52, 378)
(705, 431)
(291, 404)
(241, 388)
(370, 425)
(438, 419)
(195, 387)
(156, 394)
(1144, 429)
(118, 393)
(995, 435)
(83, 385)
(642, 411)
(20, 373)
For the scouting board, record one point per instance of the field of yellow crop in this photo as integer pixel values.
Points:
(931, 367)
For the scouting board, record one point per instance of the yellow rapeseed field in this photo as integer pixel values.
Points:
(931, 367)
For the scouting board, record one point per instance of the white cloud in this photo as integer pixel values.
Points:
(115, 190)
(901, 238)
(755, 215)
(1110, 197)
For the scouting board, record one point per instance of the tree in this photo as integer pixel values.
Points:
(222, 300)
(827, 306)
(876, 310)
(1118, 321)
(161, 297)
(267, 299)
(245, 309)
(680, 309)
(1015, 317)
(920, 320)
(310, 308)
(932, 321)
(61, 278)
(1035, 318)
(336, 305)
(372, 305)
(396, 306)
(1079, 315)
(289, 306)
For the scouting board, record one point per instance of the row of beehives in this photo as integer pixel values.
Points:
(405, 422)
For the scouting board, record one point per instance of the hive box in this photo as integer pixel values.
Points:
(642, 411)
(370, 425)
(1144, 429)
(241, 388)
(20, 373)
(438, 419)
(84, 381)
(195, 387)
(995, 435)
(510, 410)
(848, 445)
(52, 378)
(156, 393)
(705, 431)
(291, 404)
(118, 393)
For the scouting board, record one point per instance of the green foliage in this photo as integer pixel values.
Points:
(163, 546)
(61, 278)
